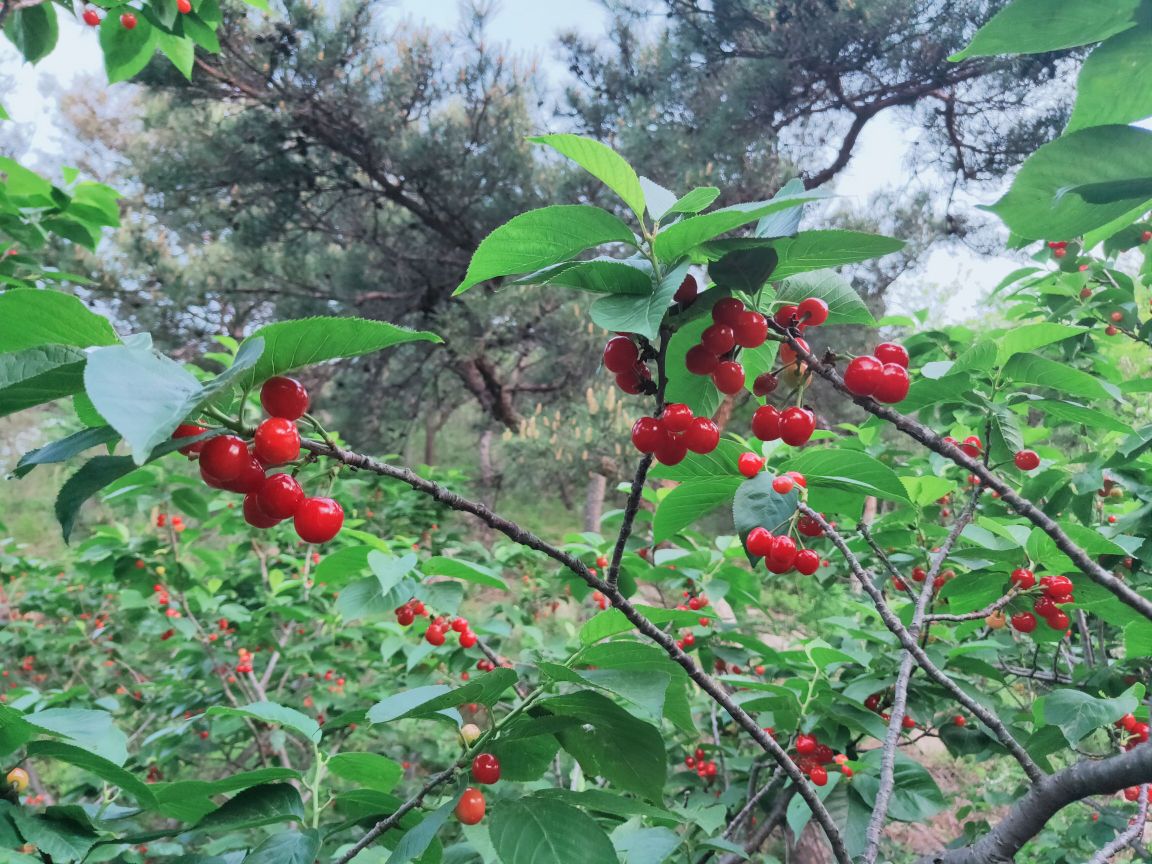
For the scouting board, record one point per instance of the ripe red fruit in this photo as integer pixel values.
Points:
(671, 451)
(813, 311)
(183, 6)
(1027, 460)
(254, 514)
(973, 446)
(1117, 317)
(620, 354)
(919, 574)
(719, 338)
(751, 329)
(783, 554)
(405, 616)
(486, 769)
(818, 775)
(434, 635)
(1110, 330)
(759, 542)
(91, 17)
(787, 355)
(783, 484)
(702, 436)
(128, 21)
(749, 464)
(863, 375)
(891, 352)
(632, 381)
(225, 457)
(809, 527)
(284, 397)
(687, 292)
(727, 311)
(1058, 620)
(766, 423)
(1059, 587)
(250, 479)
(647, 434)
(894, 384)
(677, 417)
(797, 426)
(318, 520)
(1132, 793)
(190, 430)
(1043, 606)
(468, 639)
(280, 496)
(1024, 622)
(806, 745)
(700, 361)
(765, 384)
(807, 562)
(785, 314)
(1060, 252)
(729, 377)
(470, 807)
(277, 441)
(958, 720)
(1023, 578)
(907, 722)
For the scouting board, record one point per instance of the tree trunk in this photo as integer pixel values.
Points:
(594, 501)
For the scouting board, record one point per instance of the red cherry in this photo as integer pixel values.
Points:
(91, 17)
(787, 354)
(765, 384)
(486, 769)
(783, 484)
(785, 314)
(1058, 620)
(250, 480)
(863, 375)
(1060, 252)
(468, 639)
(632, 381)
(919, 574)
(1110, 330)
(751, 329)
(766, 423)
(797, 426)
(783, 554)
(647, 434)
(807, 562)
(806, 745)
(1025, 622)
(254, 514)
(1117, 317)
(809, 527)
(727, 311)
(1023, 578)
(284, 397)
(318, 520)
(759, 542)
(894, 384)
(702, 436)
(620, 354)
(818, 775)
(729, 377)
(1059, 586)
(676, 417)
(687, 292)
(719, 338)
(749, 464)
(224, 458)
(891, 352)
(277, 441)
(1132, 793)
(813, 311)
(183, 6)
(1027, 460)
(190, 430)
(671, 450)
(434, 635)
(907, 722)
(972, 446)
(405, 616)
(470, 807)
(128, 21)
(280, 496)
(958, 720)
(700, 361)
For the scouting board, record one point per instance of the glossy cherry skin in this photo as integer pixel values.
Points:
(687, 292)
(128, 21)
(277, 441)
(891, 352)
(759, 542)
(727, 311)
(1027, 460)
(486, 769)
(787, 354)
(225, 457)
(1023, 578)
(765, 384)
(254, 514)
(620, 354)
(863, 375)
(190, 430)
(797, 425)
(1024, 622)
(318, 520)
(468, 639)
(807, 562)
(783, 484)
(719, 339)
(91, 17)
(676, 417)
(702, 436)
(434, 635)
(818, 775)
(671, 450)
(729, 377)
(785, 314)
(280, 496)
(284, 397)
(647, 434)
(700, 361)
(751, 329)
(749, 464)
(894, 384)
(470, 807)
(183, 6)
(813, 311)
(766, 423)
(250, 480)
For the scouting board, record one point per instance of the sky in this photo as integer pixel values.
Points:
(878, 163)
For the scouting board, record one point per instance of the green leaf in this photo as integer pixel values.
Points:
(417, 840)
(524, 756)
(126, 52)
(745, 270)
(295, 847)
(603, 163)
(92, 730)
(844, 304)
(612, 621)
(290, 345)
(1039, 26)
(259, 805)
(182, 52)
(1115, 83)
(698, 199)
(1070, 412)
(541, 238)
(849, 470)
(93, 763)
(270, 712)
(370, 770)
(642, 315)
(598, 276)
(191, 800)
(1049, 198)
(1042, 372)
(680, 237)
(696, 391)
(923, 491)
(65, 448)
(625, 655)
(1077, 713)
(93, 476)
(1027, 338)
(33, 30)
(63, 840)
(915, 795)
(545, 831)
(438, 565)
(38, 375)
(435, 698)
(818, 250)
(758, 505)
(691, 501)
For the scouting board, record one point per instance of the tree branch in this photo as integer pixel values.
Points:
(1134, 831)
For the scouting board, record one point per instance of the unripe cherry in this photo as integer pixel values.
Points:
(788, 355)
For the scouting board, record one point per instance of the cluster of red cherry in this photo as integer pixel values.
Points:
(734, 326)
(438, 627)
(811, 757)
(1133, 731)
(883, 374)
(876, 704)
(1057, 591)
(471, 806)
(177, 522)
(704, 767)
(244, 665)
(227, 462)
(676, 431)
